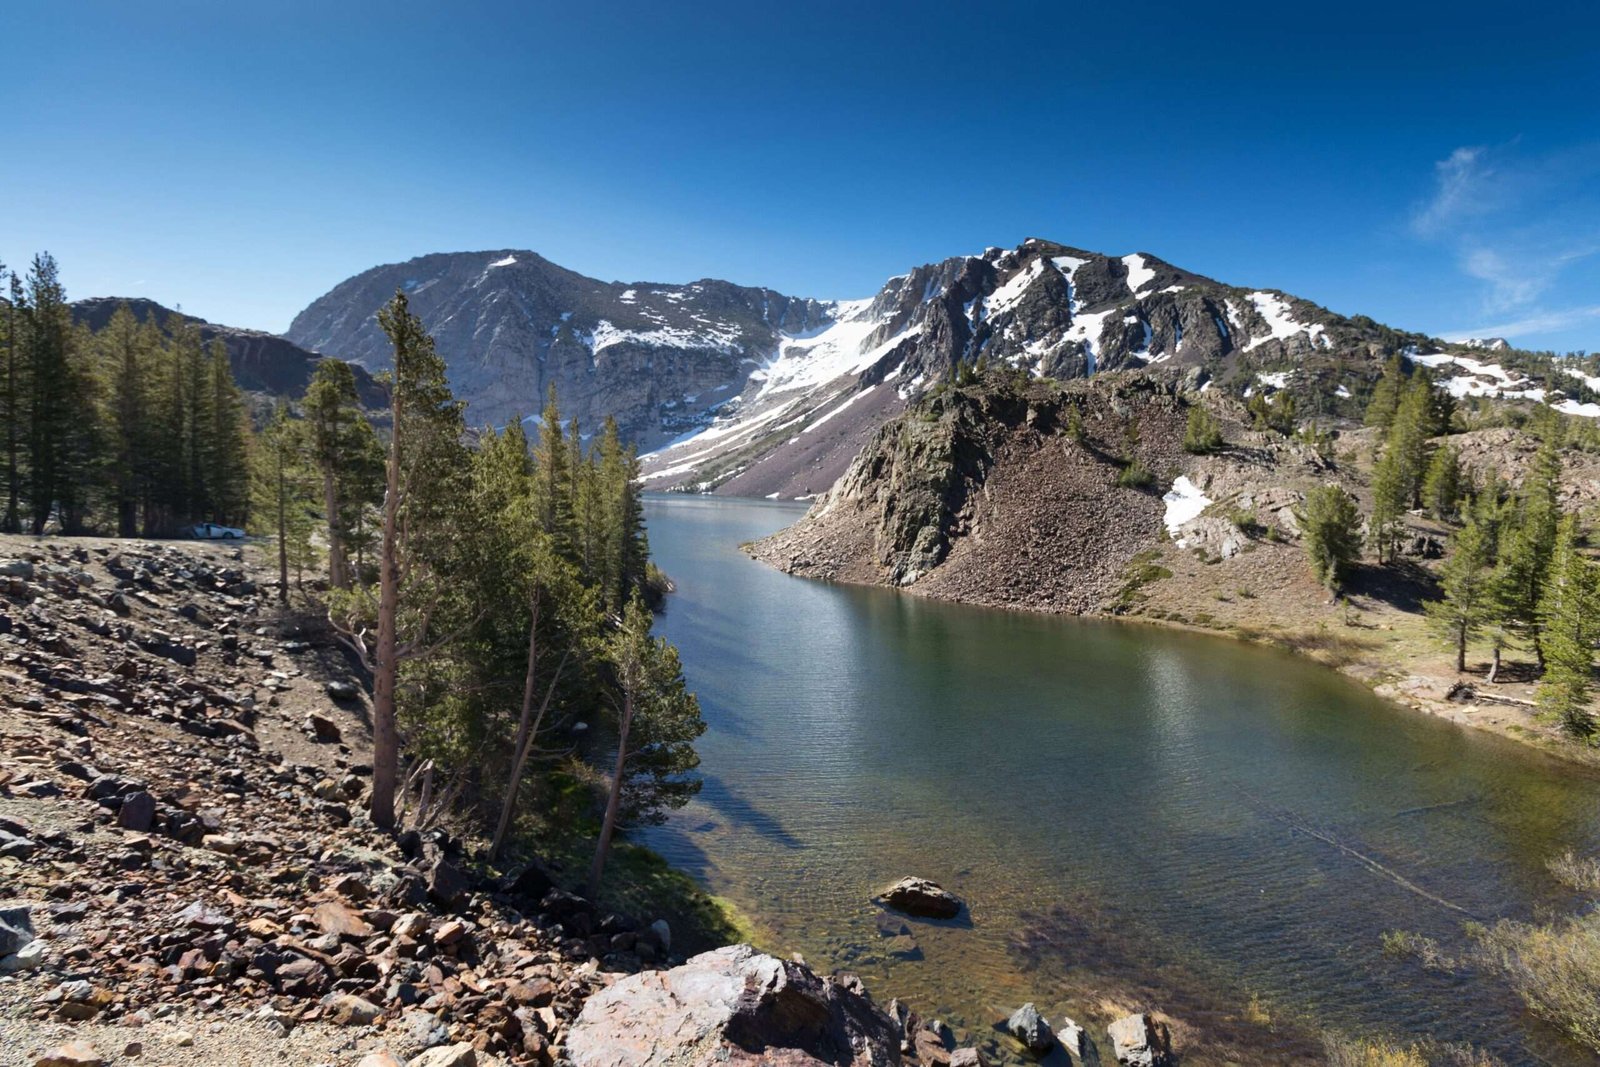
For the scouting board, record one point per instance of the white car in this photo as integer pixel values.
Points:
(210, 531)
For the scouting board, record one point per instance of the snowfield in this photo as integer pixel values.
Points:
(1184, 503)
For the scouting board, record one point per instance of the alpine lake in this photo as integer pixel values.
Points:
(1136, 818)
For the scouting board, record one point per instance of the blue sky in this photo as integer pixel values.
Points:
(1434, 166)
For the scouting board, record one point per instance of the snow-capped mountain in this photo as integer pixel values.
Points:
(746, 391)
(509, 323)
(1049, 309)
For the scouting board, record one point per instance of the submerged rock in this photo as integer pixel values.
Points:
(918, 896)
(1029, 1027)
(732, 1006)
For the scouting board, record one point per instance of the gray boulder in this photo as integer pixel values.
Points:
(732, 1006)
(1140, 1041)
(16, 928)
(1029, 1027)
(918, 896)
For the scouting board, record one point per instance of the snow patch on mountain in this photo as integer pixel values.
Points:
(836, 410)
(1184, 503)
(1007, 295)
(717, 337)
(1068, 266)
(1591, 380)
(804, 361)
(1139, 272)
(1281, 322)
(1491, 379)
(1087, 328)
(506, 262)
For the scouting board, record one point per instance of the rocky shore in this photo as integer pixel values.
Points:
(187, 875)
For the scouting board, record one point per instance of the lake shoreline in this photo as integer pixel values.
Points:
(1392, 668)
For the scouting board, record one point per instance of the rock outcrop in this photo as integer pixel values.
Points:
(732, 1006)
(1001, 493)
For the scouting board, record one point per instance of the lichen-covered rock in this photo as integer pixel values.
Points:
(732, 1006)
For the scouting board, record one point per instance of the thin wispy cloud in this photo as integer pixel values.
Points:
(1464, 189)
(1516, 223)
(1547, 322)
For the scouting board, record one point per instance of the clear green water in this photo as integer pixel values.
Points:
(1123, 808)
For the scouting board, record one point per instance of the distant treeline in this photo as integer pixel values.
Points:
(133, 429)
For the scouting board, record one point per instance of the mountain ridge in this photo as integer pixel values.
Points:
(746, 391)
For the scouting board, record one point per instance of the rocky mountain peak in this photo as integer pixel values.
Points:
(657, 357)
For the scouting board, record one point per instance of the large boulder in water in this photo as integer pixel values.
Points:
(918, 896)
(732, 1006)
(1140, 1041)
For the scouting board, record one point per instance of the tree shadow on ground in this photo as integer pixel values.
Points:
(1403, 584)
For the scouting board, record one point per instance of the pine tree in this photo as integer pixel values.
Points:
(279, 501)
(1527, 542)
(1386, 524)
(421, 520)
(227, 446)
(340, 441)
(1441, 485)
(1385, 399)
(1330, 526)
(657, 723)
(13, 387)
(1408, 439)
(1202, 434)
(168, 501)
(1465, 581)
(1075, 428)
(554, 476)
(1569, 613)
(124, 358)
(49, 403)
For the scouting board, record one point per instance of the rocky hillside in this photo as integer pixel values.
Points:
(658, 358)
(1025, 494)
(263, 363)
